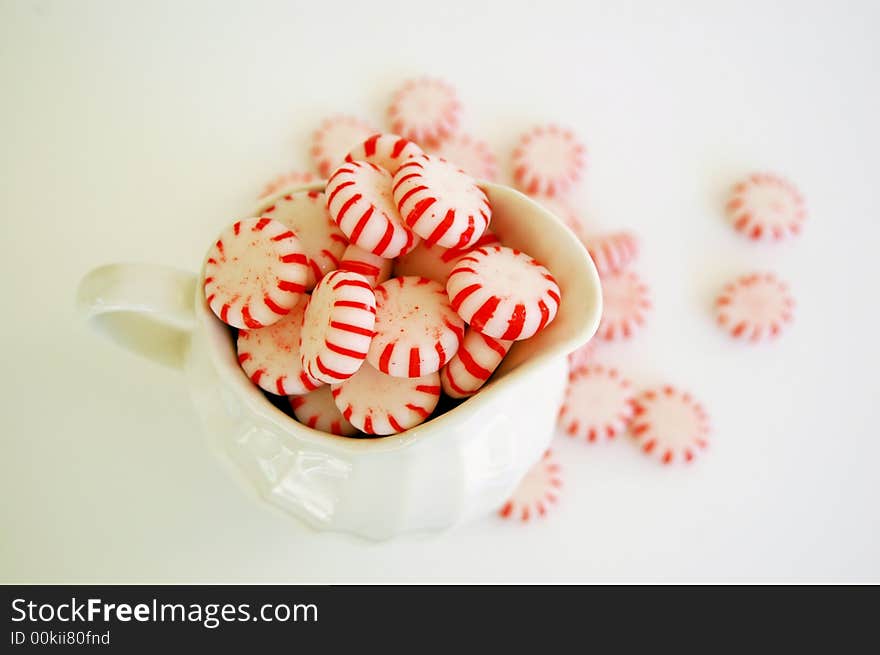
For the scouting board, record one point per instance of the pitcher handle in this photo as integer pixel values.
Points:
(145, 308)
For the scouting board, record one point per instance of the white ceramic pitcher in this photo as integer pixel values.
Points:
(462, 464)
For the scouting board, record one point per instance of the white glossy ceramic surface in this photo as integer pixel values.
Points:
(461, 464)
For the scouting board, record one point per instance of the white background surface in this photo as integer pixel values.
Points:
(134, 131)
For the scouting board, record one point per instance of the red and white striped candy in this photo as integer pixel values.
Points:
(503, 293)
(548, 160)
(440, 202)
(625, 305)
(270, 356)
(425, 110)
(766, 207)
(360, 201)
(387, 151)
(305, 212)
(670, 424)
(338, 326)
(562, 209)
(334, 138)
(434, 262)
(376, 403)
(417, 331)
(612, 252)
(318, 411)
(598, 403)
(755, 307)
(475, 361)
(255, 273)
(374, 268)
(473, 156)
(537, 492)
(287, 180)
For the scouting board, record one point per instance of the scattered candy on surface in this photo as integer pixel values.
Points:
(598, 403)
(755, 307)
(537, 492)
(669, 424)
(766, 207)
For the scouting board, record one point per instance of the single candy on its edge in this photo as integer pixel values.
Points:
(338, 326)
(472, 155)
(766, 207)
(359, 199)
(440, 202)
(537, 491)
(598, 403)
(255, 273)
(473, 364)
(305, 212)
(374, 268)
(625, 305)
(612, 252)
(417, 331)
(669, 424)
(318, 411)
(270, 355)
(755, 307)
(425, 110)
(379, 404)
(522, 301)
(548, 160)
(334, 138)
(387, 151)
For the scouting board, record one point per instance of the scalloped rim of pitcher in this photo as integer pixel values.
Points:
(226, 364)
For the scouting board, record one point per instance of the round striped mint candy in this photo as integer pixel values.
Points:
(306, 214)
(755, 307)
(425, 110)
(338, 326)
(387, 151)
(318, 411)
(768, 207)
(360, 201)
(537, 492)
(379, 404)
(270, 355)
(548, 160)
(598, 403)
(472, 365)
(255, 273)
(417, 331)
(503, 293)
(440, 202)
(670, 424)
(612, 252)
(357, 260)
(434, 262)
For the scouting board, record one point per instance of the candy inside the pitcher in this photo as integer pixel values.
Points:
(387, 209)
